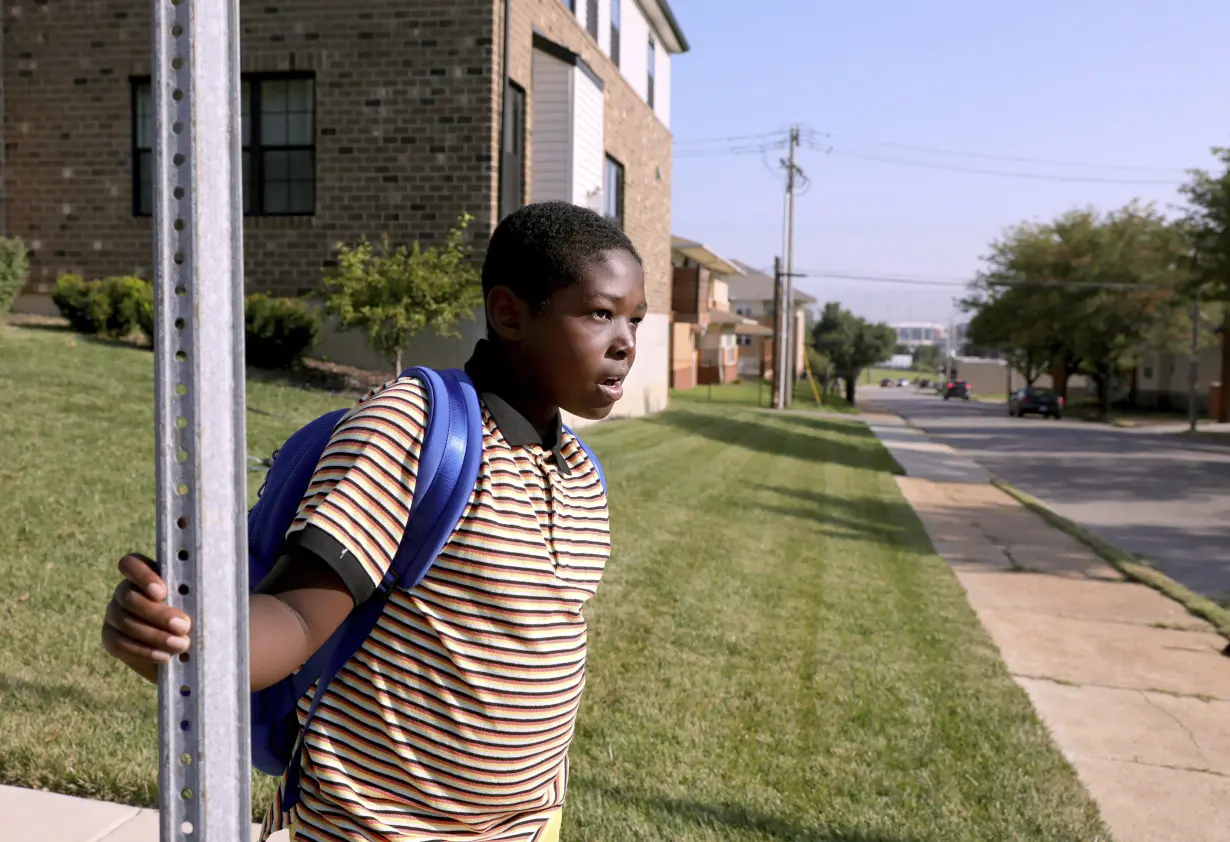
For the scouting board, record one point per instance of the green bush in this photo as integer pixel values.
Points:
(14, 270)
(73, 297)
(115, 307)
(278, 331)
(124, 297)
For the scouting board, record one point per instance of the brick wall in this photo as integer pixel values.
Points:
(406, 127)
(633, 135)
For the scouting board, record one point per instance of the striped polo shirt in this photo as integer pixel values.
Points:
(452, 722)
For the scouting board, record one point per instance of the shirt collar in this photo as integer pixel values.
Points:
(499, 394)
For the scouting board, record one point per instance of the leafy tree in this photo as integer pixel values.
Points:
(928, 358)
(851, 344)
(393, 294)
(1087, 291)
(1208, 226)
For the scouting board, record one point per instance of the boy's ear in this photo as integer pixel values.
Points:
(507, 314)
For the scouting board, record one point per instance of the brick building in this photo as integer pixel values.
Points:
(388, 116)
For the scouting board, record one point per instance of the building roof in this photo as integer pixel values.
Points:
(667, 25)
(743, 325)
(755, 285)
(703, 255)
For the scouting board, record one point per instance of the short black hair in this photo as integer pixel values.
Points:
(547, 246)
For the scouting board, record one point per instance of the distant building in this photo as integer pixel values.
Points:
(915, 335)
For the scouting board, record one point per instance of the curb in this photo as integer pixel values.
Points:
(1131, 567)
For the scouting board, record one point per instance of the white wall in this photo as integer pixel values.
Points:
(662, 87)
(588, 149)
(551, 128)
(634, 48)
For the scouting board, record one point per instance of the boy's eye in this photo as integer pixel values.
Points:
(604, 315)
(637, 320)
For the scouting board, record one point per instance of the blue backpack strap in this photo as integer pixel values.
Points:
(592, 458)
(448, 469)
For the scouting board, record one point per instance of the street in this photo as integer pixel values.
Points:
(1157, 495)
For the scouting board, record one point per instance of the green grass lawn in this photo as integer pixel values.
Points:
(757, 393)
(776, 653)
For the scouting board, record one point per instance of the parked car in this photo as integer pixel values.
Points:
(924, 383)
(904, 382)
(1035, 401)
(956, 389)
(887, 383)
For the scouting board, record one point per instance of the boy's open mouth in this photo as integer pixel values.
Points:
(612, 388)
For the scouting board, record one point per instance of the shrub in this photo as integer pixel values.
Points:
(278, 331)
(73, 297)
(114, 307)
(14, 270)
(125, 297)
(393, 292)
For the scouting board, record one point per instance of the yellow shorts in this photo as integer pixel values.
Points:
(549, 834)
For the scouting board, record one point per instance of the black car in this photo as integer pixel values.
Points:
(1035, 401)
(956, 389)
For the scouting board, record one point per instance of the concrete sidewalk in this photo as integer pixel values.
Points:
(28, 815)
(1135, 691)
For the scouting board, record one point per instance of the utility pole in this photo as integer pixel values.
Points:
(779, 321)
(789, 342)
(1193, 374)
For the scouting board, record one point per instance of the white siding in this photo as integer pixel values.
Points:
(551, 167)
(588, 149)
(634, 48)
(604, 26)
(662, 87)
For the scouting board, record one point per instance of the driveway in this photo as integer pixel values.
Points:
(1158, 495)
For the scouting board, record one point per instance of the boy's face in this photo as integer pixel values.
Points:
(582, 348)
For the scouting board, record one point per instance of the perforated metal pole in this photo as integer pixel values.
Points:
(204, 777)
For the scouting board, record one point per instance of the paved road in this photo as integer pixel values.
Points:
(1160, 496)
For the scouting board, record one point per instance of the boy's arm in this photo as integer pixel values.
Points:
(341, 544)
(291, 615)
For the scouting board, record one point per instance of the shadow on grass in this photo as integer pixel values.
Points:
(731, 817)
(892, 523)
(44, 694)
(823, 440)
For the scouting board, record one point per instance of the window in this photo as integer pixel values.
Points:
(613, 191)
(512, 162)
(279, 145)
(653, 60)
(615, 21)
(591, 18)
(142, 150)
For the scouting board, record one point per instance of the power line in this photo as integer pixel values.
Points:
(986, 156)
(740, 145)
(882, 279)
(1028, 176)
(722, 151)
(778, 133)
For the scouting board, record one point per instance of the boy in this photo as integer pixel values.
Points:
(453, 720)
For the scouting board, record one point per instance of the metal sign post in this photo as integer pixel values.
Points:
(204, 777)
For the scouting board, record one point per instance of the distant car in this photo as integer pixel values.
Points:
(924, 383)
(903, 382)
(1034, 401)
(956, 389)
(887, 383)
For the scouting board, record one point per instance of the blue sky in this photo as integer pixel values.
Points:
(1133, 90)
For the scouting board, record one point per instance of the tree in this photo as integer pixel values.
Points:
(928, 358)
(394, 293)
(1208, 225)
(851, 344)
(1087, 291)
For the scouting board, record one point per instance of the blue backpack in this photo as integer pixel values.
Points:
(448, 469)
